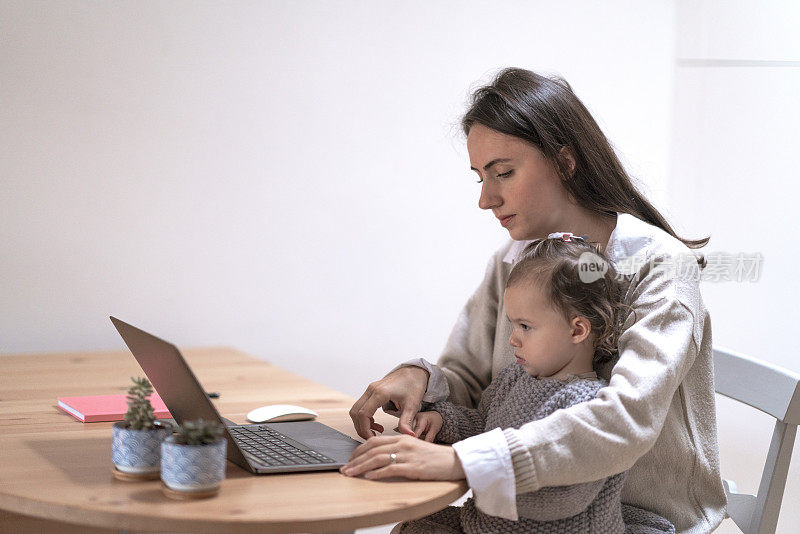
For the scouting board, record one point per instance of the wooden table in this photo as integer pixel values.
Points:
(55, 471)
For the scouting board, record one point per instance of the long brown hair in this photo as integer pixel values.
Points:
(547, 114)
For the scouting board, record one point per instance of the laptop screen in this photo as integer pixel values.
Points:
(174, 381)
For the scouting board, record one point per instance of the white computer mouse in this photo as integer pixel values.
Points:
(275, 413)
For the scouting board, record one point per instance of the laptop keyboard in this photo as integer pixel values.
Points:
(271, 447)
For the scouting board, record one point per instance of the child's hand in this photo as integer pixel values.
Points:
(427, 425)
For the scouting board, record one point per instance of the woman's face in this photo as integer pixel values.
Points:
(520, 186)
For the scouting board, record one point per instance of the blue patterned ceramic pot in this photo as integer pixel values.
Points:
(138, 451)
(193, 467)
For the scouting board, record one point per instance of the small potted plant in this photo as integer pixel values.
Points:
(193, 460)
(136, 442)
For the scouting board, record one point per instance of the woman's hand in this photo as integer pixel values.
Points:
(414, 458)
(404, 388)
(427, 425)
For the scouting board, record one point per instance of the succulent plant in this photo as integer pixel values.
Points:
(140, 412)
(198, 432)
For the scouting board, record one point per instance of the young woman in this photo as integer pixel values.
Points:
(545, 166)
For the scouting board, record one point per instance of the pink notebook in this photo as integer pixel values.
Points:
(97, 408)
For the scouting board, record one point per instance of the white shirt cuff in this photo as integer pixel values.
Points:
(486, 460)
(437, 383)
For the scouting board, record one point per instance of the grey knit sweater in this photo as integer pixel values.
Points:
(511, 400)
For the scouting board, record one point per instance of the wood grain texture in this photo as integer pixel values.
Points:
(54, 467)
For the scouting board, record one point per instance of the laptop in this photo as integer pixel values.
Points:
(259, 448)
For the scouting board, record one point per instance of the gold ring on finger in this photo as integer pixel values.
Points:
(393, 458)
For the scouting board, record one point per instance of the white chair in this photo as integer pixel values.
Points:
(775, 391)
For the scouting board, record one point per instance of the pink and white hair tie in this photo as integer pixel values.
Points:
(567, 236)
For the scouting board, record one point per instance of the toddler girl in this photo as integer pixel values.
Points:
(563, 301)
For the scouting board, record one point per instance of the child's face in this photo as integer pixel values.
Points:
(544, 342)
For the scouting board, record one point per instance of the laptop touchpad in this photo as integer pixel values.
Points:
(319, 437)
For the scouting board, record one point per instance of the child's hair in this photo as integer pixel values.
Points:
(578, 279)
(545, 112)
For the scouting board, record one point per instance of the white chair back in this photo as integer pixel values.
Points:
(775, 391)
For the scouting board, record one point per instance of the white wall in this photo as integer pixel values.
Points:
(283, 177)
(734, 175)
